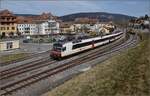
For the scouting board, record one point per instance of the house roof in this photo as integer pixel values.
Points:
(6, 13)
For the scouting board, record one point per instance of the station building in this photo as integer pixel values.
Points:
(9, 45)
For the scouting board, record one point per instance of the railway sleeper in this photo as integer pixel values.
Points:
(22, 83)
(40, 76)
(12, 88)
(32, 79)
(17, 85)
(44, 74)
(2, 92)
(9, 89)
(26, 82)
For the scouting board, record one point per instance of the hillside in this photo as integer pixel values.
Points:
(101, 16)
(26, 15)
(127, 74)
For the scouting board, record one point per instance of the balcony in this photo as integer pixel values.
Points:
(8, 20)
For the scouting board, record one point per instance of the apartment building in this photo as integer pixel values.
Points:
(47, 27)
(27, 28)
(8, 24)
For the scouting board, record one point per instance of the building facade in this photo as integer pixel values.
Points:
(38, 27)
(48, 27)
(7, 23)
(27, 28)
(9, 45)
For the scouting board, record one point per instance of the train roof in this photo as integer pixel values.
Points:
(77, 41)
(95, 38)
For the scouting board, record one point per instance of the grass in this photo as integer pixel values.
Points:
(11, 57)
(127, 74)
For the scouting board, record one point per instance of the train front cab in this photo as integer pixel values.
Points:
(56, 51)
(64, 51)
(59, 51)
(55, 54)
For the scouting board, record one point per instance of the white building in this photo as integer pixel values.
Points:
(27, 29)
(38, 27)
(146, 22)
(48, 27)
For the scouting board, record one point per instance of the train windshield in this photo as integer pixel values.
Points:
(57, 47)
(57, 44)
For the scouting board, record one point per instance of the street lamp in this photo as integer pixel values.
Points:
(38, 33)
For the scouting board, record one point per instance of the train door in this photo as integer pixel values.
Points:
(93, 44)
(68, 49)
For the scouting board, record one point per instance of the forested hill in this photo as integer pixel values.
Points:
(101, 16)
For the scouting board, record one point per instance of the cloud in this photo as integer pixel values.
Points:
(62, 7)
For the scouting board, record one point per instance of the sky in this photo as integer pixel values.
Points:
(64, 7)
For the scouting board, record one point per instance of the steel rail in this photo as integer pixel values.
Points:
(37, 77)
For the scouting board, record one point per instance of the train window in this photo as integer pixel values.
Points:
(81, 45)
(100, 40)
(96, 41)
(91, 42)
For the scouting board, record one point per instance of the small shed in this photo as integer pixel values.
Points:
(9, 44)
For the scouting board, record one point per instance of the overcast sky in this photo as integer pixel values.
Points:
(64, 7)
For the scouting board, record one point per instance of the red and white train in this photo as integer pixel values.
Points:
(63, 49)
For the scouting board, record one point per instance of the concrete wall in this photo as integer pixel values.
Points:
(9, 45)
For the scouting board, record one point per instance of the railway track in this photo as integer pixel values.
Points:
(22, 59)
(28, 67)
(31, 66)
(11, 87)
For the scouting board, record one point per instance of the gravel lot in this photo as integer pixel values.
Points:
(29, 48)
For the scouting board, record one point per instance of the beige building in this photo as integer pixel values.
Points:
(9, 45)
(65, 27)
(8, 24)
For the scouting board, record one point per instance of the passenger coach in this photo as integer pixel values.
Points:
(63, 49)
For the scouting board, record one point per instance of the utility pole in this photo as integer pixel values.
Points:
(38, 27)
